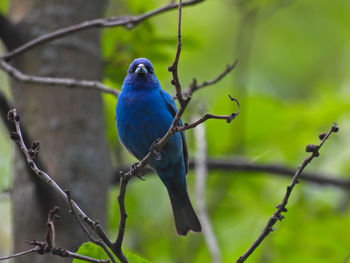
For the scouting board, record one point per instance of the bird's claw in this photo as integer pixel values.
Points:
(134, 172)
(133, 168)
(153, 149)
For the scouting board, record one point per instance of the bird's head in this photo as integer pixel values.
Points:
(141, 75)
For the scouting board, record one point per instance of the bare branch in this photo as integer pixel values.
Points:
(67, 82)
(17, 136)
(201, 170)
(194, 86)
(277, 169)
(117, 246)
(208, 116)
(50, 245)
(96, 241)
(277, 216)
(86, 258)
(228, 165)
(174, 67)
(51, 232)
(126, 21)
(32, 250)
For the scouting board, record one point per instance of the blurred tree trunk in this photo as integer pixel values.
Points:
(67, 122)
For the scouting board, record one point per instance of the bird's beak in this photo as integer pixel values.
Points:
(141, 69)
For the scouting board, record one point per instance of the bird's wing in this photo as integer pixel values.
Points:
(173, 110)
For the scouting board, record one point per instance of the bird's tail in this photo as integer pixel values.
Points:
(184, 215)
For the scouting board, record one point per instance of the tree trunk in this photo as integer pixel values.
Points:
(68, 123)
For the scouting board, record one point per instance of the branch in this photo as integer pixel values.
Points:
(277, 216)
(30, 155)
(40, 186)
(71, 83)
(227, 165)
(86, 258)
(208, 116)
(174, 67)
(201, 170)
(50, 245)
(194, 86)
(276, 169)
(126, 21)
(117, 246)
(32, 250)
(96, 241)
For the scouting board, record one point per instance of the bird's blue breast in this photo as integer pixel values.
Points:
(143, 116)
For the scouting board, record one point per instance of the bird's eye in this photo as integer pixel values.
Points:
(150, 70)
(132, 70)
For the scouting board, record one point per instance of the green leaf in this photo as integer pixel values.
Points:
(91, 250)
(134, 258)
(95, 251)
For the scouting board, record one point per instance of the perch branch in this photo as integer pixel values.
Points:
(277, 216)
(158, 144)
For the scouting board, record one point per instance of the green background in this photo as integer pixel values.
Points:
(293, 82)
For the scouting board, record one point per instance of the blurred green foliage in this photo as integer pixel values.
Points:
(297, 83)
(4, 5)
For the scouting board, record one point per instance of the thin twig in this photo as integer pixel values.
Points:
(96, 241)
(277, 216)
(174, 67)
(50, 245)
(126, 21)
(208, 116)
(51, 232)
(201, 171)
(86, 258)
(32, 250)
(117, 246)
(67, 82)
(194, 86)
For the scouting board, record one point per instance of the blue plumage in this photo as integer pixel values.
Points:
(144, 113)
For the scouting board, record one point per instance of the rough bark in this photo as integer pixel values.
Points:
(68, 122)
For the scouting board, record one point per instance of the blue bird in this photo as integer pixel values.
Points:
(144, 113)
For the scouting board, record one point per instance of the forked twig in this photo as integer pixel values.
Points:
(277, 216)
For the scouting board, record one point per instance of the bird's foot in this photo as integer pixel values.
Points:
(133, 168)
(153, 149)
(134, 172)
